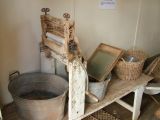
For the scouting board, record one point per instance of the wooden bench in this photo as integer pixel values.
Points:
(117, 90)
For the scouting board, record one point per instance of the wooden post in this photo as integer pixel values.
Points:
(0, 115)
(77, 78)
(137, 102)
(66, 33)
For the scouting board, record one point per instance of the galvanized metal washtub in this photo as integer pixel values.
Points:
(39, 96)
(98, 89)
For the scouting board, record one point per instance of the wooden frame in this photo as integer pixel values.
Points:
(109, 50)
(63, 28)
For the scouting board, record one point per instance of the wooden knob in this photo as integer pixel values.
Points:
(45, 10)
(66, 16)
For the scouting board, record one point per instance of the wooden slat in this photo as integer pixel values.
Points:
(126, 105)
(54, 25)
(54, 46)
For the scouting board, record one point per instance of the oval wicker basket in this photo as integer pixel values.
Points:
(131, 70)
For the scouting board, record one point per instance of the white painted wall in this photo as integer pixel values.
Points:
(20, 33)
(20, 30)
(149, 29)
(115, 27)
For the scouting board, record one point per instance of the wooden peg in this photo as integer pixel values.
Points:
(45, 10)
(66, 16)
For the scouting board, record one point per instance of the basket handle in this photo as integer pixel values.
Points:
(14, 75)
(124, 61)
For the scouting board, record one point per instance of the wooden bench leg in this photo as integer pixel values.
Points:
(0, 115)
(137, 102)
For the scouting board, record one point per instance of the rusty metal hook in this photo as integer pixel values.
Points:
(14, 75)
(45, 10)
(66, 16)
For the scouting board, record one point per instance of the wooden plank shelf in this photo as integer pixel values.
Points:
(116, 90)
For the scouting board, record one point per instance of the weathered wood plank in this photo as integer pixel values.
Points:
(77, 80)
(55, 47)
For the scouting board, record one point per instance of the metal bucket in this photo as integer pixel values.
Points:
(39, 96)
(98, 89)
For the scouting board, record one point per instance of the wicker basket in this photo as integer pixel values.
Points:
(131, 70)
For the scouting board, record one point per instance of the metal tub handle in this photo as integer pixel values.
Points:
(14, 75)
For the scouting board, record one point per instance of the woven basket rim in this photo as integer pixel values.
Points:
(130, 63)
(137, 53)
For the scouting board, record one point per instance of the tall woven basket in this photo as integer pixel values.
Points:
(131, 70)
